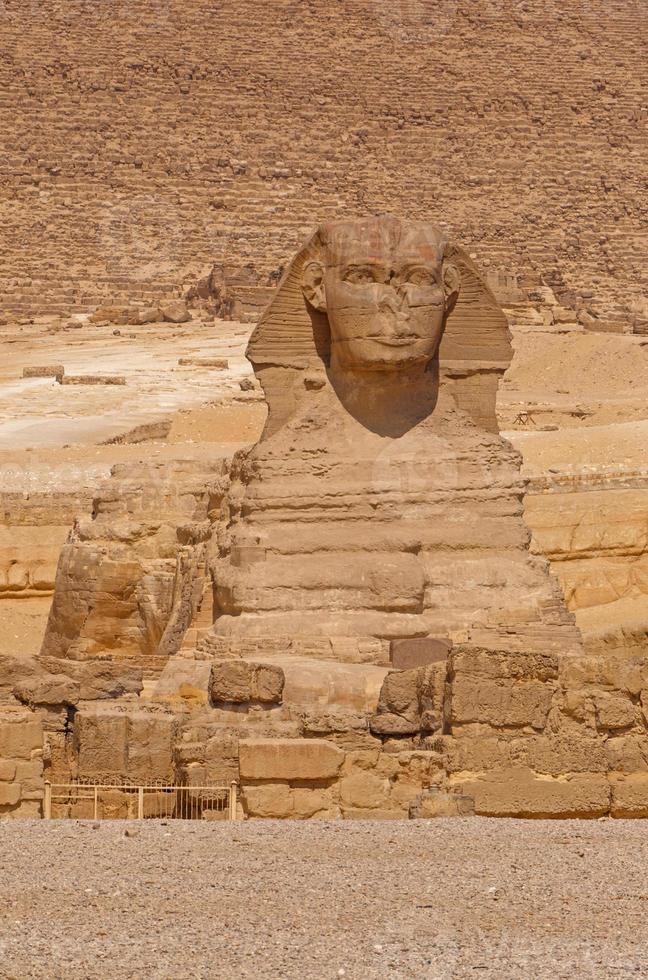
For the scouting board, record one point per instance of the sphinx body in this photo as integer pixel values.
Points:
(381, 500)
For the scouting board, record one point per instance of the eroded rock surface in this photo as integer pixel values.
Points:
(381, 500)
(265, 599)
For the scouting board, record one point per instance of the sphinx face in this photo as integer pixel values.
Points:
(382, 288)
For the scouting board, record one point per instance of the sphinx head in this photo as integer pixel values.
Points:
(386, 290)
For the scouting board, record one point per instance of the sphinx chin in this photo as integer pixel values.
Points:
(380, 354)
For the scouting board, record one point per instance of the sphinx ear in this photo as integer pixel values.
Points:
(451, 285)
(313, 285)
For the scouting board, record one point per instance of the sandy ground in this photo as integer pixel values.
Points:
(439, 899)
(588, 366)
(38, 413)
(593, 388)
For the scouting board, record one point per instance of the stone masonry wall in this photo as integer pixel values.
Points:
(488, 732)
(141, 142)
(525, 736)
(21, 763)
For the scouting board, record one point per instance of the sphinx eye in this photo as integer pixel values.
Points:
(359, 274)
(421, 277)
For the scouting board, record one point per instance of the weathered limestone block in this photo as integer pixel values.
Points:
(573, 711)
(21, 763)
(242, 682)
(547, 754)
(115, 805)
(9, 794)
(410, 701)
(111, 314)
(510, 704)
(147, 314)
(420, 765)
(20, 734)
(117, 743)
(27, 810)
(615, 713)
(273, 800)
(7, 770)
(350, 686)
(476, 754)
(556, 754)
(365, 758)
(518, 792)
(15, 671)
(629, 794)
(29, 775)
(102, 744)
(318, 803)
(327, 721)
(150, 747)
(608, 672)
(501, 689)
(281, 801)
(92, 379)
(398, 706)
(364, 789)
(175, 311)
(58, 684)
(289, 760)
(418, 652)
(48, 689)
(627, 753)
(214, 362)
(498, 664)
(103, 680)
(184, 680)
(130, 580)
(221, 757)
(404, 790)
(44, 371)
(438, 803)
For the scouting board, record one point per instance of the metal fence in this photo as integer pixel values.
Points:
(126, 801)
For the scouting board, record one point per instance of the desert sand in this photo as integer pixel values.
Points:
(446, 900)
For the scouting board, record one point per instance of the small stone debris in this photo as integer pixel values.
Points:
(214, 362)
(93, 379)
(175, 311)
(44, 371)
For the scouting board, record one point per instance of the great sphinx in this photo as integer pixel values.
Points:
(381, 501)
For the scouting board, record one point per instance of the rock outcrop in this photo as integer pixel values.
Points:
(131, 579)
(381, 500)
(382, 640)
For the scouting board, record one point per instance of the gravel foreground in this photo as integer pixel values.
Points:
(436, 899)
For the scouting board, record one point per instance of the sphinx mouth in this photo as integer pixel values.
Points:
(396, 341)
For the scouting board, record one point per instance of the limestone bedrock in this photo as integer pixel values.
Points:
(381, 500)
(380, 504)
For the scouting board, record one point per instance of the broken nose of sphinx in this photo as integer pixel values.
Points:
(395, 303)
(394, 317)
